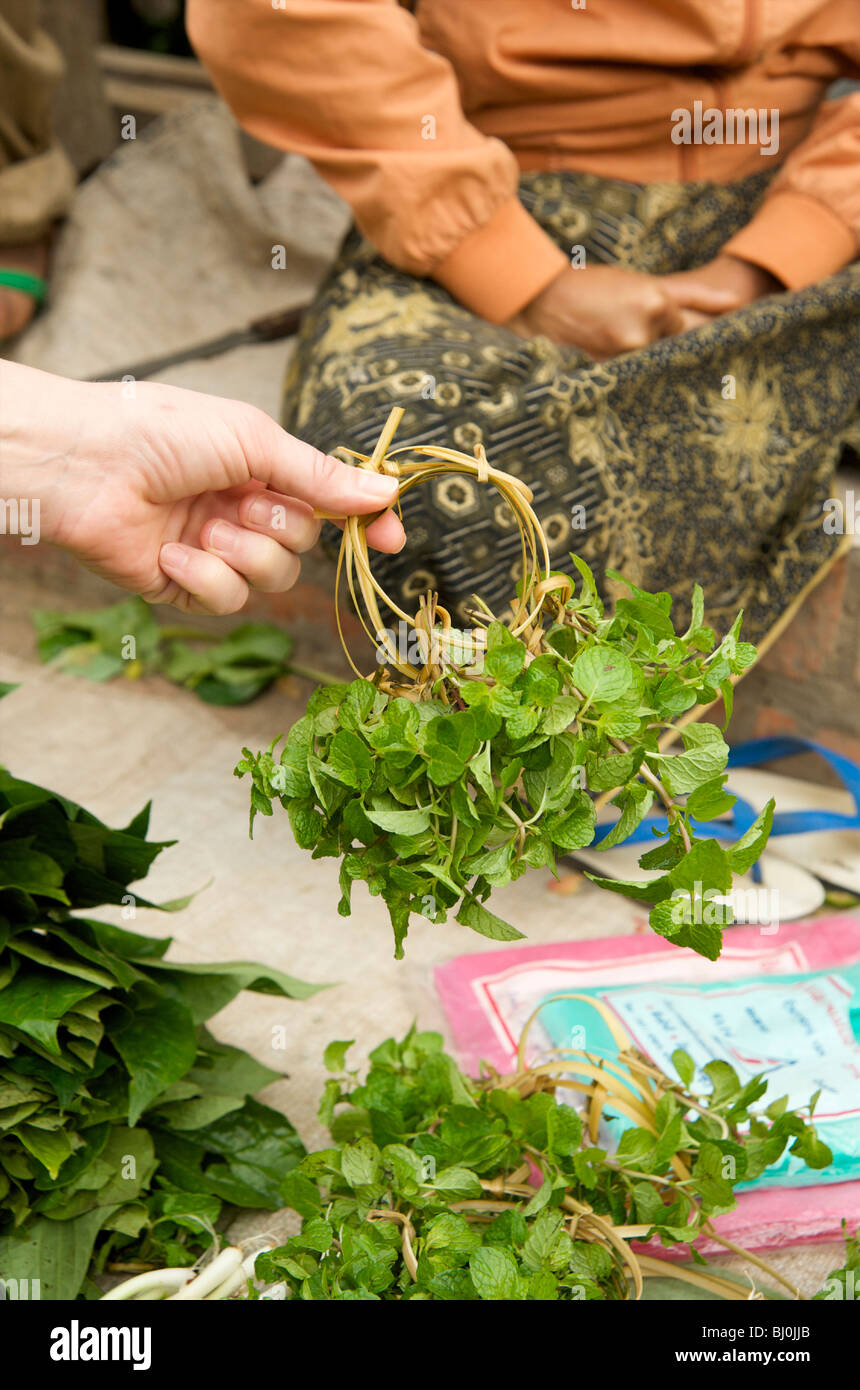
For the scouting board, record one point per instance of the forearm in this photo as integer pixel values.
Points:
(28, 445)
(54, 432)
(808, 226)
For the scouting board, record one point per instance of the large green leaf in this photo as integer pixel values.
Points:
(31, 871)
(35, 1001)
(26, 944)
(205, 989)
(56, 1253)
(122, 942)
(116, 1170)
(241, 1158)
(50, 1147)
(158, 1045)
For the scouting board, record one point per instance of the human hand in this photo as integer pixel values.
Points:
(724, 273)
(160, 493)
(606, 310)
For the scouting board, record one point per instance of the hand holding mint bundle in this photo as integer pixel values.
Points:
(477, 753)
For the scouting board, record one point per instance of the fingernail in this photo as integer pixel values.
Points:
(173, 555)
(260, 512)
(222, 537)
(375, 485)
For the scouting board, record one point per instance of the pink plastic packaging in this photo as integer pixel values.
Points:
(488, 997)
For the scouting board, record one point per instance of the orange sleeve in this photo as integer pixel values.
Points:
(349, 84)
(808, 226)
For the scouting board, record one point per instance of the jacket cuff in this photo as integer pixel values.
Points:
(795, 237)
(502, 266)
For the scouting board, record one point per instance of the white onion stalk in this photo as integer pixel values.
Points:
(215, 1273)
(220, 1278)
(235, 1281)
(156, 1283)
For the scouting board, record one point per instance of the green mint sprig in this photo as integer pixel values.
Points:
(125, 639)
(436, 800)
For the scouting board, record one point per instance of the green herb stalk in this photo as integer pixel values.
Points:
(436, 794)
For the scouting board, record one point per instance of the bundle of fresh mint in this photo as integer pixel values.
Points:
(124, 1125)
(436, 799)
(436, 1186)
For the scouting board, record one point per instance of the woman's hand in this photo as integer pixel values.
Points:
(724, 273)
(607, 310)
(180, 497)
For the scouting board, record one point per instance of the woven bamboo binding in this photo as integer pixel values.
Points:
(432, 623)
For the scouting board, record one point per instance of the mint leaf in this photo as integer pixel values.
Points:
(601, 675)
(684, 1066)
(473, 914)
(705, 758)
(334, 1057)
(349, 760)
(494, 1274)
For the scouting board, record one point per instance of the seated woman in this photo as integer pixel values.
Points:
(610, 241)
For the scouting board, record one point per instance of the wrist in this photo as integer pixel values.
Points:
(751, 281)
(40, 434)
(550, 289)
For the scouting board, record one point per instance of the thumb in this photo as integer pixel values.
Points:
(296, 468)
(206, 443)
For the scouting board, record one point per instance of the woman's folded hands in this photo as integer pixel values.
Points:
(607, 310)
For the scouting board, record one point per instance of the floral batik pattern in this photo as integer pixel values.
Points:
(705, 457)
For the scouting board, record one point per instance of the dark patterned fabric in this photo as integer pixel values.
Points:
(706, 457)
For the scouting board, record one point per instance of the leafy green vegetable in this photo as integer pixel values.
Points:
(100, 643)
(435, 800)
(124, 1125)
(125, 639)
(436, 1186)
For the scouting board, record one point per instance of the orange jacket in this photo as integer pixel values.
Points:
(423, 122)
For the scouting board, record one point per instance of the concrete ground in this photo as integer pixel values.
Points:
(113, 747)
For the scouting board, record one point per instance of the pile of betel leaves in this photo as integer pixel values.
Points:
(435, 800)
(436, 1186)
(125, 1127)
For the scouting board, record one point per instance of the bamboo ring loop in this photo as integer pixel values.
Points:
(366, 592)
